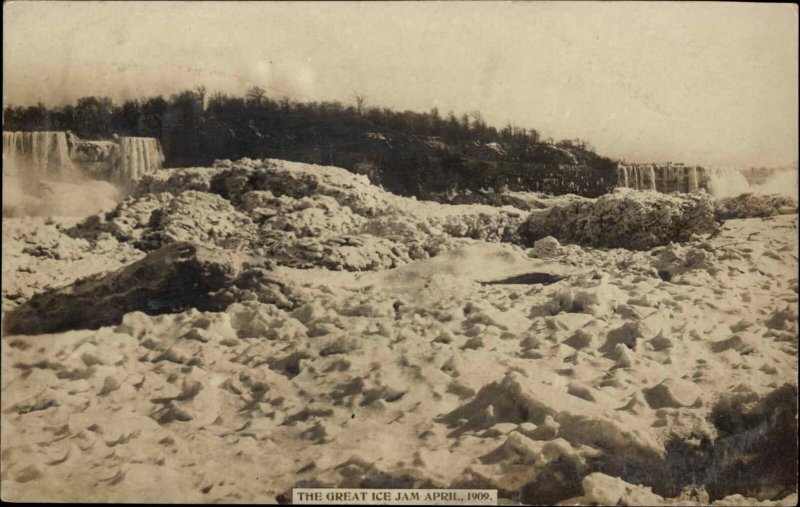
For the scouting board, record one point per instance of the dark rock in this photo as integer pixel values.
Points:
(171, 279)
(637, 220)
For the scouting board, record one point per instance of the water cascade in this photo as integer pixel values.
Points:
(651, 178)
(137, 156)
(719, 182)
(37, 155)
(58, 156)
(692, 179)
(664, 178)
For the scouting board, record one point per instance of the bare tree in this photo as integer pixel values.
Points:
(360, 101)
(217, 100)
(201, 95)
(256, 95)
(478, 123)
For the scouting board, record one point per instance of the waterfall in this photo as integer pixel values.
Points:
(137, 156)
(670, 180)
(692, 179)
(669, 177)
(622, 175)
(664, 178)
(56, 156)
(651, 174)
(37, 155)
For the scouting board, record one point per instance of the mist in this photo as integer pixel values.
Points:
(73, 194)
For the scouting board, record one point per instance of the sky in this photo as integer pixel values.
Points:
(707, 83)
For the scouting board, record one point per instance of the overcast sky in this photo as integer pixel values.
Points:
(709, 83)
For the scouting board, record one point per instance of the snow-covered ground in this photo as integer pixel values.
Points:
(367, 340)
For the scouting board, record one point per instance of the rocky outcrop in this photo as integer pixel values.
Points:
(623, 219)
(95, 158)
(754, 430)
(174, 278)
(751, 205)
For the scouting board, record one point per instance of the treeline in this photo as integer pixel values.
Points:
(426, 154)
(196, 127)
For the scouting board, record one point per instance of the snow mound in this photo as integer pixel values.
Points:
(299, 215)
(751, 205)
(626, 218)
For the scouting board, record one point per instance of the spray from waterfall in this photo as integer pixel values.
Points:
(727, 182)
(783, 182)
(55, 173)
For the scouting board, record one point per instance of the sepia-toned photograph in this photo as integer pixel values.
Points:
(400, 253)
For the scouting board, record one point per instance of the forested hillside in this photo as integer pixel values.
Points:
(424, 154)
